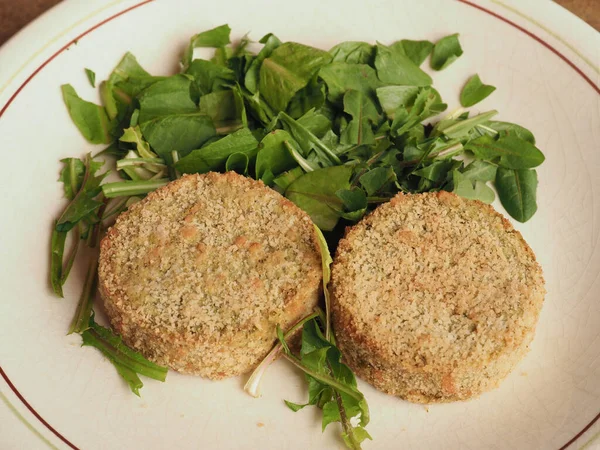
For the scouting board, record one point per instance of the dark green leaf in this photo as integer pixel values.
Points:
(252, 77)
(417, 51)
(517, 192)
(310, 97)
(436, 171)
(315, 193)
(72, 175)
(394, 67)
(460, 128)
(210, 77)
(91, 76)
(512, 128)
(216, 37)
(354, 199)
(237, 162)
(288, 69)
(341, 77)
(57, 250)
(167, 97)
(445, 52)
(480, 171)
(509, 150)
(127, 362)
(364, 115)
(284, 180)
(375, 179)
(181, 132)
(474, 91)
(91, 119)
(353, 52)
(273, 157)
(476, 190)
(223, 107)
(307, 139)
(214, 155)
(393, 97)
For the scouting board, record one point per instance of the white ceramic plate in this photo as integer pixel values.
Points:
(59, 395)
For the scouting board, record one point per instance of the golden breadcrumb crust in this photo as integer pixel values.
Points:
(197, 275)
(435, 298)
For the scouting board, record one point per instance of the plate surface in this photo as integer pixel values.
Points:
(59, 395)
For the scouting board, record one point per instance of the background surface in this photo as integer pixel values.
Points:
(15, 14)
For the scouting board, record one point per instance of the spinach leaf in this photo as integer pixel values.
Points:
(474, 91)
(91, 119)
(364, 115)
(216, 37)
(417, 51)
(252, 77)
(91, 76)
(307, 140)
(273, 157)
(445, 52)
(394, 67)
(517, 192)
(353, 52)
(181, 132)
(215, 154)
(315, 193)
(288, 69)
(340, 77)
(510, 151)
(310, 97)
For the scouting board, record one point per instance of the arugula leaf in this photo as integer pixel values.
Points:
(57, 249)
(364, 115)
(510, 151)
(393, 97)
(517, 192)
(417, 51)
(427, 103)
(288, 69)
(311, 97)
(315, 193)
(225, 108)
(445, 52)
(215, 154)
(181, 132)
(326, 262)
(134, 135)
(474, 91)
(127, 362)
(273, 157)
(353, 52)
(91, 76)
(394, 67)
(460, 128)
(251, 79)
(91, 119)
(340, 77)
(216, 37)
(283, 181)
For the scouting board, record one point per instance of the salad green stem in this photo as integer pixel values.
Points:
(129, 188)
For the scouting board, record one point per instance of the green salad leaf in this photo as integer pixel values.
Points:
(445, 52)
(91, 119)
(475, 91)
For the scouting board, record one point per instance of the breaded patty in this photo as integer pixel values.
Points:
(435, 298)
(197, 275)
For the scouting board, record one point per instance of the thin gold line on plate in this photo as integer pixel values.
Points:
(550, 32)
(24, 421)
(54, 39)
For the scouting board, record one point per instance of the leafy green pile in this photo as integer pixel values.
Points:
(337, 132)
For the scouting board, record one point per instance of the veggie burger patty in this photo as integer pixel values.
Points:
(197, 275)
(435, 298)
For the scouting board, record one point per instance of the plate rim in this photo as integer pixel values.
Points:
(127, 6)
